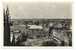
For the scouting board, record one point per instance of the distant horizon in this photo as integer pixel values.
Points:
(40, 18)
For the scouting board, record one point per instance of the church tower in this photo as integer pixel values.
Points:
(6, 27)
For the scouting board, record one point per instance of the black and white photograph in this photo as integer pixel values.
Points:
(37, 24)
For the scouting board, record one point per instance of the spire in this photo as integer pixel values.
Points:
(7, 11)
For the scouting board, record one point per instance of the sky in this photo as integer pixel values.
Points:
(28, 10)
